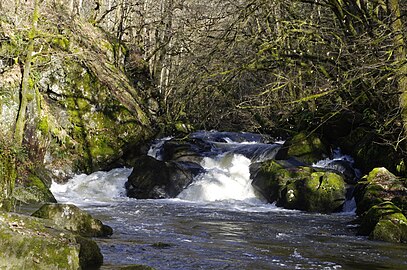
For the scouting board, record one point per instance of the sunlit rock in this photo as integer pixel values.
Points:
(385, 222)
(32, 243)
(379, 186)
(300, 187)
(305, 148)
(72, 218)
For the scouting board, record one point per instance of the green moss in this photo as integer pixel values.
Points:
(73, 219)
(384, 222)
(43, 125)
(61, 42)
(8, 175)
(308, 149)
(272, 177)
(27, 243)
(33, 191)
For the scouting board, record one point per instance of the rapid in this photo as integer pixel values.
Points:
(219, 222)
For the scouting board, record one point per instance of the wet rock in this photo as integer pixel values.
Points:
(155, 179)
(345, 168)
(187, 150)
(90, 256)
(271, 177)
(322, 192)
(71, 218)
(300, 187)
(32, 243)
(384, 222)
(379, 186)
(306, 148)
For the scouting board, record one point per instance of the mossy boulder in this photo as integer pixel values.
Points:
(322, 192)
(305, 148)
(271, 177)
(384, 222)
(300, 187)
(32, 243)
(71, 218)
(33, 190)
(379, 186)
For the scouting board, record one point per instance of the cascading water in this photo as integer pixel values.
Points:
(96, 188)
(214, 231)
(227, 173)
(227, 177)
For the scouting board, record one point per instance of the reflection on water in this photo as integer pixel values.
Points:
(199, 236)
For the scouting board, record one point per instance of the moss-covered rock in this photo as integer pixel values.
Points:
(384, 222)
(85, 109)
(299, 187)
(72, 218)
(90, 256)
(306, 148)
(379, 186)
(271, 177)
(323, 192)
(32, 243)
(32, 191)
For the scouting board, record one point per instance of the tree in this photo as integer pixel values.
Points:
(27, 91)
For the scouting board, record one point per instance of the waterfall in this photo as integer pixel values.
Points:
(227, 177)
(96, 188)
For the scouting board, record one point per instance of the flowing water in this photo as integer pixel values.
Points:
(219, 223)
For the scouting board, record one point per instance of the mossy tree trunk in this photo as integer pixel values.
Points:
(27, 92)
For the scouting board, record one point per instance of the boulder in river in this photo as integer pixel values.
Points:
(379, 186)
(155, 179)
(384, 222)
(31, 243)
(71, 218)
(300, 187)
(305, 148)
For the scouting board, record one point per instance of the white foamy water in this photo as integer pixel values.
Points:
(96, 188)
(227, 177)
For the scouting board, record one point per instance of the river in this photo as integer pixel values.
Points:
(219, 223)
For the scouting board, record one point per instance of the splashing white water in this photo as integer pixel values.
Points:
(96, 188)
(227, 177)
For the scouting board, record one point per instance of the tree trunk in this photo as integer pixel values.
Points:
(27, 94)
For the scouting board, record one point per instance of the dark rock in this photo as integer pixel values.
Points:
(71, 218)
(189, 150)
(148, 179)
(155, 179)
(90, 256)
